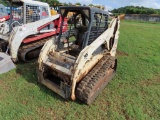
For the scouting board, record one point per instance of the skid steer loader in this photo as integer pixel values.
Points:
(21, 12)
(80, 62)
(28, 27)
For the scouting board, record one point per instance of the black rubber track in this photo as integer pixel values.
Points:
(96, 80)
(25, 49)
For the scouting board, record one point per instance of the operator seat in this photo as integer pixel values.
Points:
(81, 29)
(80, 36)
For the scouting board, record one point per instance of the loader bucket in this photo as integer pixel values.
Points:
(6, 63)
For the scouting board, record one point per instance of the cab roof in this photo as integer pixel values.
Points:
(92, 10)
(30, 2)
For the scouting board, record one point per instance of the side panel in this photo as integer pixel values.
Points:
(43, 56)
(86, 55)
(114, 47)
(24, 31)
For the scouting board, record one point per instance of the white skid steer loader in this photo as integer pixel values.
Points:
(80, 62)
(29, 26)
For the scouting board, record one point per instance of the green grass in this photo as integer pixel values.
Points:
(146, 23)
(134, 93)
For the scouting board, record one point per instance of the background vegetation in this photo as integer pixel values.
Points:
(3, 2)
(136, 10)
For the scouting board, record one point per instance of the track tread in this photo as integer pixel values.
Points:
(26, 48)
(89, 82)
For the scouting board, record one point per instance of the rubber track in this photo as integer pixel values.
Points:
(27, 48)
(88, 83)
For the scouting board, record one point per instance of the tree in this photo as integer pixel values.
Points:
(136, 10)
(4, 2)
(151, 11)
(65, 4)
(70, 4)
(91, 5)
(78, 4)
(143, 12)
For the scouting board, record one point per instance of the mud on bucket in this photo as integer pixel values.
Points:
(6, 63)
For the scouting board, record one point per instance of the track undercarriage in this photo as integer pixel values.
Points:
(31, 51)
(27, 52)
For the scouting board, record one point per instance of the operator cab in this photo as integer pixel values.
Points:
(27, 11)
(85, 24)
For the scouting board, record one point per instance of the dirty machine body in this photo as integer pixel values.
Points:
(81, 61)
